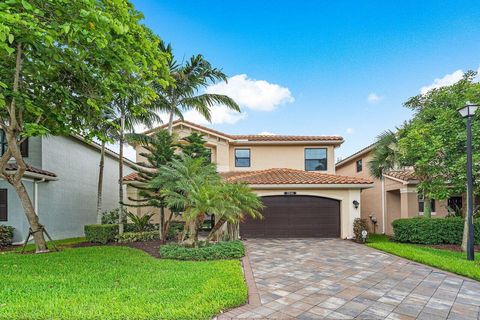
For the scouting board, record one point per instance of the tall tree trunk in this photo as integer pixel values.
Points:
(466, 229)
(216, 227)
(120, 175)
(161, 225)
(37, 228)
(170, 121)
(13, 150)
(100, 184)
(427, 208)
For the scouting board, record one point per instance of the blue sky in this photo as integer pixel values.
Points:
(311, 66)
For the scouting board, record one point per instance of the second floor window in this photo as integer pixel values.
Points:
(4, 145)
(242, 157)
(315, 159)
(359, 165)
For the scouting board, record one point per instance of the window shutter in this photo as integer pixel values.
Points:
(24, 148)
(3, 205)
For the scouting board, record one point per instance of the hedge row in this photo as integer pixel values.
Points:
(220, 250)
(432, 230)
(104, 233)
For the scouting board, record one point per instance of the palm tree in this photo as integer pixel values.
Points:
(189, 78)
(385, 154)
(123, 117)
(191, 184)
(241, 201)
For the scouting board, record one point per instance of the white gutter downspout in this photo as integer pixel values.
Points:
(35, 194)
(383, 205)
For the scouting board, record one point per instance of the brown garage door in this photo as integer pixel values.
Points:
(295, 216)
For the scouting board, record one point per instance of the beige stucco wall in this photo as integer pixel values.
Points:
(348, 213)
(371, 199)
(393, 209)
(262, 156)
(279, 156)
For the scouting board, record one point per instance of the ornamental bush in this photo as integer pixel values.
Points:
(174, 230)
(432, 230)
(101, 233)
(6, 235)
(220, 250)
(137, 236)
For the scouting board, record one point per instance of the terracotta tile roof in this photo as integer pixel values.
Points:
(130, 177)
(13, 167)
(405, 175)
(290, 176)
(259, 137)
(255, 137)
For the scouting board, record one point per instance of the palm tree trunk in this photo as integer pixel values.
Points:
(216, 227)
(120, 175)
(100, 184)
(170, 121)
(167, 227)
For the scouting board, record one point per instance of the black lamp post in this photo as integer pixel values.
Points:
(468, 111)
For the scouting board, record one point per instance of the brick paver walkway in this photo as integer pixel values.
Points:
(338, 279)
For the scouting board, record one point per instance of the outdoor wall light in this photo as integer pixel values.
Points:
(356, 204)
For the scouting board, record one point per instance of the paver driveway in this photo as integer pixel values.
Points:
(338, 279)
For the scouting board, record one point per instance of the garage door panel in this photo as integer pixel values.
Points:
(295, 216)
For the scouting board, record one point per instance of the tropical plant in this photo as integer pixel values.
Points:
(194, 146)
(160, 150)
(140, 222)
(385, 154)
(190, 78)
(192, 186)
(240, 202)
(111, 216)
(434, 141)
(61, 62)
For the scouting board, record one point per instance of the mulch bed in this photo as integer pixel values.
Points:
(150, 247)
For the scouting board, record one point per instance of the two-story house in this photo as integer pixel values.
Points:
(294, 175)
(393, 197)
(62, 182)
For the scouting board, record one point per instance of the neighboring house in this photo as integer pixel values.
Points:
(295, 175)
(393, 197)
(62, 183)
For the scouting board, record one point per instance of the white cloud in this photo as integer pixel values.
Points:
(350, 130)
(447, 80)
(253, 94)
(373, 98)
(220, 114)
(258, 95)
(266, 133)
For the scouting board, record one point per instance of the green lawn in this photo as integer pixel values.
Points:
(107, 282)
(455, 262)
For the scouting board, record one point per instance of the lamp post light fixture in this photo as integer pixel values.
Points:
(468, 111)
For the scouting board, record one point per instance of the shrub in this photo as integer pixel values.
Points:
(359, 225)
(111, 216)
(6, 235)
(175, 229)
(220, 250)
(101, 233)
(138, 236)
(432, 230)
(140, 223)
(130, 227)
